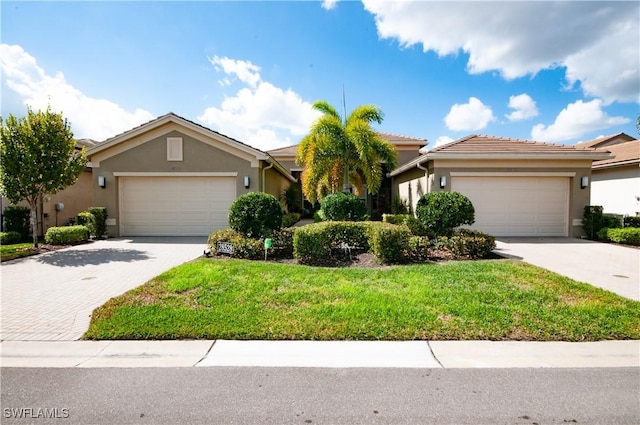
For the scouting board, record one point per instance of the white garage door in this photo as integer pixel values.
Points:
(517, 206)
(175, 206)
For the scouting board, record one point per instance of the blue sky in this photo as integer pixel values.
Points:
(552, 71)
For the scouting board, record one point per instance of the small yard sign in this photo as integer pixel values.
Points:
(225, 248)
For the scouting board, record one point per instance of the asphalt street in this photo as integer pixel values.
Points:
(242, 395)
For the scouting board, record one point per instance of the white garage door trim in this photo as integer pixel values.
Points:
(513, 204)
(170, 205)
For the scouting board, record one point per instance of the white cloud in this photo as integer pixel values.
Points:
(443, 140)
(597, 42)
(473, 115)
(575, 120)
(524, 107)
(92, 118)
(329, 4)
(243, 70)
(261, 115)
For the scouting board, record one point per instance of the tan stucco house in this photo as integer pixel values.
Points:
(173, 177)
(518, 187)
(615, 182)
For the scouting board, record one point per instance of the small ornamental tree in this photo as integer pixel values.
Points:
(444, 211)
(39, 157)
(255, 214)
(343, 207)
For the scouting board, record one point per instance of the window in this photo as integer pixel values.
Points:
(174, 148)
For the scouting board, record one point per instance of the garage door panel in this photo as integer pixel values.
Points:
(517, 206)
(175, 206)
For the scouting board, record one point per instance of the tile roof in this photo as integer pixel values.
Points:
(394, 139)
(602, 141)
(624, 153)
(491, 144)
(493, 147)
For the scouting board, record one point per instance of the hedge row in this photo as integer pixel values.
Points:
(628, 235)
(253, 248)
(10, 237)
(66, 235)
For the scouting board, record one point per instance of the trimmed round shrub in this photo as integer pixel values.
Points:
(255, 214)
(343, 207)
(444, 211)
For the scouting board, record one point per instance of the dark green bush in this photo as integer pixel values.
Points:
(389, 242)
(343, 207)
(16, 219)
(319, 217)
(631, 221)
(602, 234)
(66, 235)
(100, 215)
(11, 237)
(444, 211)
(592, 220)
(612, 221)
(290, 219)
(628, 236)
(282, 243)
(255, 214)
(85, 218)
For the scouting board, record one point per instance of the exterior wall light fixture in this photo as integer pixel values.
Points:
(247, 182)
(102, 182)
(584, 182)
(443, 182)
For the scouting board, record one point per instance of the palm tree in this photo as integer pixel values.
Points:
(347, 152)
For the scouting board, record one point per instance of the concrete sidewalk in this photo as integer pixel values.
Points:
(322, 354)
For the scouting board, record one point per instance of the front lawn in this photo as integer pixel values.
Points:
(464, 300)
(17, 250)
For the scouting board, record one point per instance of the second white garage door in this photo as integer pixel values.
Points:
(175, 206)
(517, 206)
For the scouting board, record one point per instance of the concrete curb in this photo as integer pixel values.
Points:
(323, 354)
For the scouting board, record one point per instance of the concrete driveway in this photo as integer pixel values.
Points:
(51, 296)
(608, 266)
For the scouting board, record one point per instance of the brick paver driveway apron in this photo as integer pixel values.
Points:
(51, 296)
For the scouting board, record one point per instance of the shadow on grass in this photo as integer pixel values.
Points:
(79, 258)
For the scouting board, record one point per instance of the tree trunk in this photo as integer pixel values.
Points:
(34, 222)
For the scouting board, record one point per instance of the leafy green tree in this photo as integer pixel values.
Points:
(39, 157)
(345, 152)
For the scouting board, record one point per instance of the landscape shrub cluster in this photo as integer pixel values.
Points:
(400, 238)
(255, 214)
(10, 237)
(627, 235)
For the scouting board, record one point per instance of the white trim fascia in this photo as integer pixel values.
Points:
(175, 174)
(512, 174)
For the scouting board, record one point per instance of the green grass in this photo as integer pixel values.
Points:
(18, 250)
(467, 300)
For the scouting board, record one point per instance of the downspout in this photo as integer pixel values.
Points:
(426, 174)
(264, 181)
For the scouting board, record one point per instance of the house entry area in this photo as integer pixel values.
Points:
(511, 205)
(174, 206)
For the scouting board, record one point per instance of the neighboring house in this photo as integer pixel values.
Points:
(173, 177)
(518, 187)
(615, 182)
(75, 199)
(407, 148)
